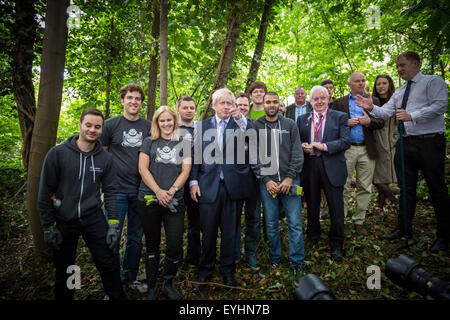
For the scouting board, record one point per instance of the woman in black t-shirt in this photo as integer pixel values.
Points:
(164, 165)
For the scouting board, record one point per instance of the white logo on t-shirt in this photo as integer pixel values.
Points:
(166, 155)
(132, 138)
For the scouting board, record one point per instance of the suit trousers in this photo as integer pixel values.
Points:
(315, 180)
(193, 229)
(221, 213)
(358, 160)
(428, 156)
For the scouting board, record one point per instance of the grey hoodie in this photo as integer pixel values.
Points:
(288, 153)
(75, 177)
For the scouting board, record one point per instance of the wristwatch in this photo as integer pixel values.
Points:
(175, 188)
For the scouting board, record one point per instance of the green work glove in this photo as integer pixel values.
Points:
(113, 233)
(53, 236)
(295, 191)
(150, 199)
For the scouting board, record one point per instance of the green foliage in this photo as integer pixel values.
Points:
(10, 136)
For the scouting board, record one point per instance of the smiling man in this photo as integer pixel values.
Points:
(283, 146)
(325, 137)
(300, 106)
(122, 137)
(256, 92)
(70, 206)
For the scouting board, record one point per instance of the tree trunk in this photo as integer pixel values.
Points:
(442, 66)
(164, 53)
(49, 106)
(24, 32)
(256, 61)
(227, 55)
(153, 69)
(108, 93)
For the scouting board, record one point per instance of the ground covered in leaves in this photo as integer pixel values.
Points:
(22, 276)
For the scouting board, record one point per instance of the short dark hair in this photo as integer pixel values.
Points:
(271, 93)
(131, 87)
(242, 95)
(324, 82)
(184, 98)
(256, 85)
(91, 111)
(410, 55)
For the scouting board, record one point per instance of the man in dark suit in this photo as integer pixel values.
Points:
(300, 106)
(325, 137)
(362, 153)
(252, 202)
(216, 184)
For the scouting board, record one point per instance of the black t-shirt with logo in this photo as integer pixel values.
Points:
(124, 139)
(166, 157)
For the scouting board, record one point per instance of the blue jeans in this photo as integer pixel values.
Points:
(127, 203)
(293, 208)
(252, 225)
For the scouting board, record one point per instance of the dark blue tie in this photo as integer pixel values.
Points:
(401, 127)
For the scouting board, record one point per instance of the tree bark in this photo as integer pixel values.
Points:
(24, 32)
(164, 52)
(227, 55)
(256, 61)
(153, 69)
(49, 106)
(108, 93)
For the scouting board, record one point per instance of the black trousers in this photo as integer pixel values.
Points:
(193, 230)
(428, 156)
(316, 179)
(221, 213)
(151, 218)
(93, 229)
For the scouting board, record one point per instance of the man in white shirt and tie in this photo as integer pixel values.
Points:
(420, 105)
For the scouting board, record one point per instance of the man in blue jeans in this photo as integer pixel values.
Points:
(122, 136)
(281, 161)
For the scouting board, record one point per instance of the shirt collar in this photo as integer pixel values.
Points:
(218, 120)
(417, 77)
(182, 125)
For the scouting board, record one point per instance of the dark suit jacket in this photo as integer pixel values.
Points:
(336, 136)
(290, 110)
(341, 104)
(208, 174)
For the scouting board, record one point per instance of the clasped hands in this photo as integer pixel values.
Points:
(309, 147)
(283, 187)
(164, 197)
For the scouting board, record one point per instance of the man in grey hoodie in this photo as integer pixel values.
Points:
(281, 160)
(70, 205)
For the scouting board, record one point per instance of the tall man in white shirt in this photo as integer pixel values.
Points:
(421, 105)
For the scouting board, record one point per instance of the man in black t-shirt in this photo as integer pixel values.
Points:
(123, 136)
(186, 113)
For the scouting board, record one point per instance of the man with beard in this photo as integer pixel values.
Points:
(280, 138)
(70, 205)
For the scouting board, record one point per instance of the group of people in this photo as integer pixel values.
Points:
(251, 157)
